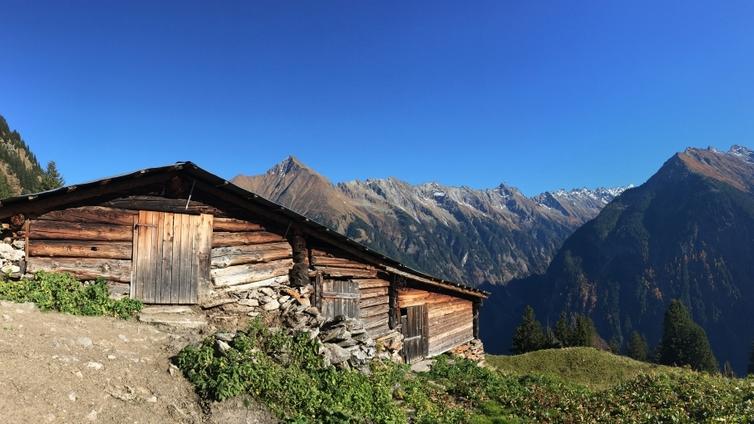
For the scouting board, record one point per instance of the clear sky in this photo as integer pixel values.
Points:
(538, 94)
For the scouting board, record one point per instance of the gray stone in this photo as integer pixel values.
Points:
(271, 306)
(267, 291)
(249, 302)
(226, 337)
(335, 334)
(284, 299)
(336, 354)
(222, 346)
(348, 343)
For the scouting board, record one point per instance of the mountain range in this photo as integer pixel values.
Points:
(687, 233)
(458, 233)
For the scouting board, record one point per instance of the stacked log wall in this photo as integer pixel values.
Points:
(374, 308)
(451, 320)
(88, 242)
(246, 255)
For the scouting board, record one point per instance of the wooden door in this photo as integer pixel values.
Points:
(414, 328)
(339, 297)
(171, 257)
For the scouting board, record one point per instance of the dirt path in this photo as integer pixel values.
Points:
(61, 368)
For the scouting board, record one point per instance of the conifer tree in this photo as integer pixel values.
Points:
(51, 178)
(637, 347)
(529, 335)
(684, 342)
(563, 330)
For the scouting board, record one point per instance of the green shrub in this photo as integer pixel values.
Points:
(287, 373)
(61, 292)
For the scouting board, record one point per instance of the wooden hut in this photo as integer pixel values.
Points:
(179, 235)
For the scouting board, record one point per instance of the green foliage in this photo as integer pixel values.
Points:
(637, 347)
(63, 293)
(529, 335)
(684, 342)
(287, 374)
(574, 330)
(645, 393)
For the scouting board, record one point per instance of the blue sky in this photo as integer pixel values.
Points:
(537, 94)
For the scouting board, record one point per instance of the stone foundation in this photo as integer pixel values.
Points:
(344, 342)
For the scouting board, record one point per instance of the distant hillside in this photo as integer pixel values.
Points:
(20, 172)
(687, 233)
(458, 233)
(587, 366)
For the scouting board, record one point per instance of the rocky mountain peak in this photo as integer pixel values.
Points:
(289, 165)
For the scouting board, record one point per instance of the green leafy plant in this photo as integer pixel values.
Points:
(63, 293)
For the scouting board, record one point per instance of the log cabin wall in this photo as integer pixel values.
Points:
(373, 286)
(88, 242)
(246, 255)
(450, 319)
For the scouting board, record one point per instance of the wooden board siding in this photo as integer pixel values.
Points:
(340, 297)
(374, 300)
(88, 242)
(450, 319)
(171, 257)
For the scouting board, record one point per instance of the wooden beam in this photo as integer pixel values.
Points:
(222, 239)
(84, 268)
(91, 214)
(80, 249)
(62, 230)
(223, 257)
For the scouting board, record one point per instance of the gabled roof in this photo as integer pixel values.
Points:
(13, 205)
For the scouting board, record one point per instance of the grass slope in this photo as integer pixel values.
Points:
(593, 368)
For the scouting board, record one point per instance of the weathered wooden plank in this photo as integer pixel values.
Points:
(347, 272)
(325, 261)
(234, 225)
(220, 239)
(63, 230)
(173, 287)
(84, 268)
(249, 273)
(223, 257)
(368, 293)
(80, 249)
(371, 311)
(185, 271)
(92, 214)
(374, 301)
(166, 257)
(163, 204)
(202, 252)
(372, 283)
(147, 226)
(158, 280)
(375, 321)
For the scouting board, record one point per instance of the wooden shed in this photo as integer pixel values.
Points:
(179, 235)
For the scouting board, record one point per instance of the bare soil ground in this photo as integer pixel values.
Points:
(57, 368)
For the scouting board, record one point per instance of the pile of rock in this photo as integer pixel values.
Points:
(12, 257)
(346, 343)
(472, 350)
